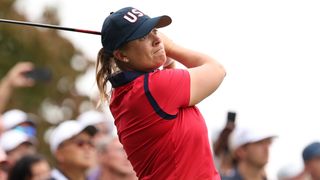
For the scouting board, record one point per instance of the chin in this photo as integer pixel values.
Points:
(156, 65)
(160, 58)
(161, 62)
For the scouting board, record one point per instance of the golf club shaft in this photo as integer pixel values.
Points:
(49, 26)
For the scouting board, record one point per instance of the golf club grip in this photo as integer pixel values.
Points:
(50, 26)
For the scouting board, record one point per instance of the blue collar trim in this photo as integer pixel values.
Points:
(123, 78)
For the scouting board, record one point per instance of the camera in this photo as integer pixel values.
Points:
(231, 117)
(39, 74)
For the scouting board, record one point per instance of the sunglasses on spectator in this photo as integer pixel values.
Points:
(81, 143)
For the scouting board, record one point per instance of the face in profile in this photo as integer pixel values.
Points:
(146, 53)
(256, 153)
(313, 167)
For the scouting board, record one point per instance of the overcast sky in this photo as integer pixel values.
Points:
(269, 48)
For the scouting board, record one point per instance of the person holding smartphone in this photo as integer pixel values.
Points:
(221, 148)
(15, 78)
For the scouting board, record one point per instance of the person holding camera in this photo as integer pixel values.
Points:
(15, 78)
(221, 149)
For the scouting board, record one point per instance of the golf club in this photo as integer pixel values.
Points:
(50, 26)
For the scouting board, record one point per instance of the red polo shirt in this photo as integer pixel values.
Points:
(163, 137)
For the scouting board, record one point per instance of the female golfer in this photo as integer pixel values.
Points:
(163, 133)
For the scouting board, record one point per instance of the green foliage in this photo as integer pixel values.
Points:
(45, 48)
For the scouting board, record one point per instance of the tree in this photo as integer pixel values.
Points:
(45, 48)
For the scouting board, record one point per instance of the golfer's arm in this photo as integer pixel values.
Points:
(206, 73)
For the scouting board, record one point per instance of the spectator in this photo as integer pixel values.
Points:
(16, 144)
(19, 120)
(72, 147)
(97, 119)
(311, 158)
(221, 148)
(14, 79)
(112, 163)
(250, 149)
(30, 167)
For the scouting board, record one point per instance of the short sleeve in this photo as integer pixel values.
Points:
(170, 88)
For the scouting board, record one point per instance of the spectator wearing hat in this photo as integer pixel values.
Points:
(16, 144)
(71, 144)
(112, 163)
(103, 124)
(311, 158)
(19, 120)
(250, 149)
(98, 119)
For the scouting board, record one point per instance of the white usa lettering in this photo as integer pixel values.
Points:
(133, 15)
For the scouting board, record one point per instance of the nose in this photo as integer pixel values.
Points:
(156, 40)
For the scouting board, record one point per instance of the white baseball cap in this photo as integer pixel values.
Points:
(94, 117)
(66, 130)
(11, 139)
(13, 118)
(242, 136)
(91, 117)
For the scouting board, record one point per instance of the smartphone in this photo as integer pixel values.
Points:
(39, 74)
(231, 117)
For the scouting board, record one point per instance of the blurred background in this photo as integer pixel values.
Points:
(60, 98)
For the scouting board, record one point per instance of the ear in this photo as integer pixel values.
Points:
(307, 166)
(120, 55)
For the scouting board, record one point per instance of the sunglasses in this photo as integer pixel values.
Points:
(29, 130)
(82, 143)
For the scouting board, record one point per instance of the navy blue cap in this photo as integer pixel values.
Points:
(128, 24)
(311, 151)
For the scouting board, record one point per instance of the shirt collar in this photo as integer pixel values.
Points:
(123, 78)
